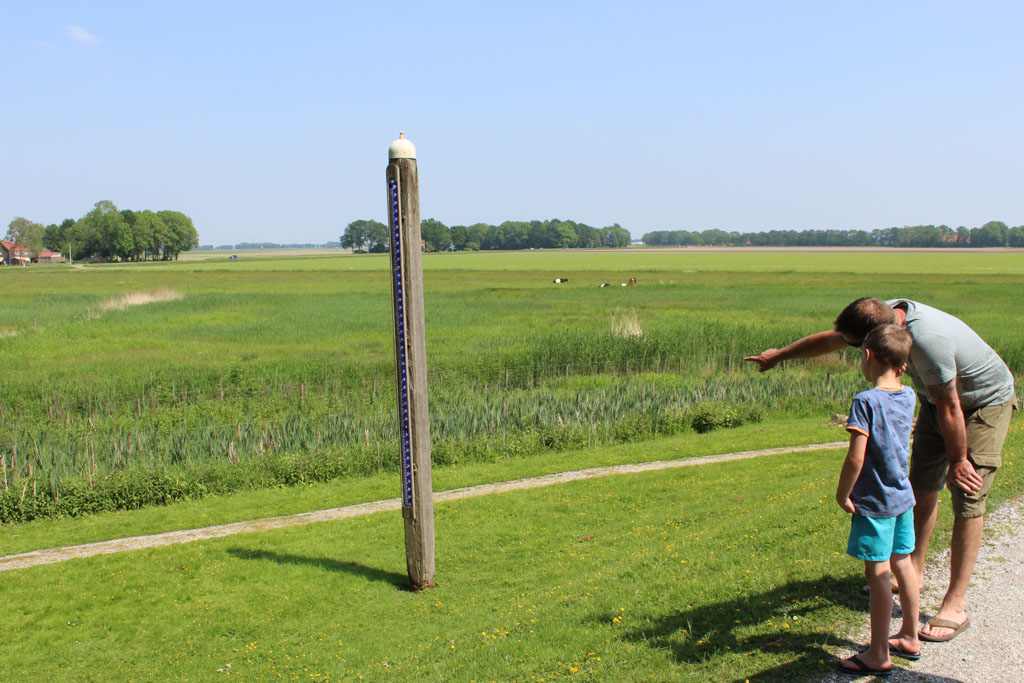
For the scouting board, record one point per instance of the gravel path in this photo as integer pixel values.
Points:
(992, 649)
(52, 555)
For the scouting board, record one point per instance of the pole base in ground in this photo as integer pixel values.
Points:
(422, 587)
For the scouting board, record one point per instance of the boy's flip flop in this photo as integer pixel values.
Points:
(862, 668)
(944, 623)
(897, 651)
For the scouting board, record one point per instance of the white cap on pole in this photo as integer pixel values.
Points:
(402, 149)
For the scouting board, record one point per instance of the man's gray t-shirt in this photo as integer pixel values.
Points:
(944, 348)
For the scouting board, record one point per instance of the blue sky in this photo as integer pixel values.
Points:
(271, 121)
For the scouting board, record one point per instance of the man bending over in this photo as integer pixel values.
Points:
(967, 396)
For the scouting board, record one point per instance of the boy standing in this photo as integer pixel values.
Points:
(874, 487)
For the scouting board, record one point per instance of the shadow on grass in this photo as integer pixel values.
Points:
(400, 581)
(757, 623)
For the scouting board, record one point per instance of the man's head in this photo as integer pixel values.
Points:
(890, 345)
(862, 316)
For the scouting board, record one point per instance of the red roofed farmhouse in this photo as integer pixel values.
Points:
(13, 255)
(50, 257)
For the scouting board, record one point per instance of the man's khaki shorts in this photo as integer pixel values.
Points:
(986, 432)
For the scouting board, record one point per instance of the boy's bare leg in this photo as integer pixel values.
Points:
(967, 532)
(910, 603)
(926, 513)
(877, 656)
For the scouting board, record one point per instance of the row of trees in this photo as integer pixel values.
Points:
(372, 236)
(992, 234)
(110, 234)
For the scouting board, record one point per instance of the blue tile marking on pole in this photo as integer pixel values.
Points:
(403, 388)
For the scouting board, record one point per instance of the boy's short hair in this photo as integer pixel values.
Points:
(891, 345)
(862, 316)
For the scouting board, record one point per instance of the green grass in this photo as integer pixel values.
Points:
(774, 432)
(721, 572)
(670, 575)
(639, 260)
(292, 356)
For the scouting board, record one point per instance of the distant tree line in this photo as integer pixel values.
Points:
(992, 234)
(110, 234)
(372, 236)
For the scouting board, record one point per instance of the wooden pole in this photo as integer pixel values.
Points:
(411, 361)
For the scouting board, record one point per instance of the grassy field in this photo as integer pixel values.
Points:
(725, 572)
(291, 356)
(732, 571)
(774, 432)
(248, 254)
(624, 262)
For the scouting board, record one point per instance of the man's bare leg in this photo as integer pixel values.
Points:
(966, 541)
(925, 515)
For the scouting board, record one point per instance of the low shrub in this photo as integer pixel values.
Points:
(633, 427)
(709, 416)
(563, 438)
(672, 421)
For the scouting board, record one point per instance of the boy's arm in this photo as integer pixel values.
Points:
(816, 344)
(851, 470)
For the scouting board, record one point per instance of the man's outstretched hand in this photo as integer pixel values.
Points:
(766, 360)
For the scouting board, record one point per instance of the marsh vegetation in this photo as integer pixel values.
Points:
(164, 381)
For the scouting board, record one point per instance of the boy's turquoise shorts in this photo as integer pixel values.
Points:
(875, 539)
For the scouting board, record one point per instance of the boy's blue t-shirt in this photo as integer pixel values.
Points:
(886, 417)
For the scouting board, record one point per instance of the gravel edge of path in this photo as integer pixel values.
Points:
(992, 649)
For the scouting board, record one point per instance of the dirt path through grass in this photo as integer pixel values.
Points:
(53, 555)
